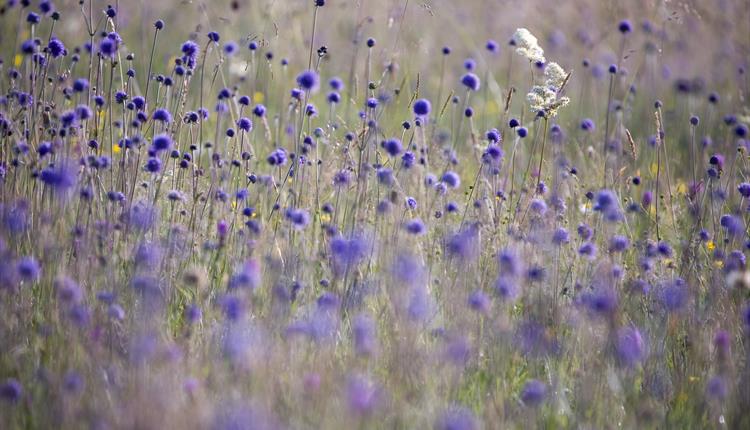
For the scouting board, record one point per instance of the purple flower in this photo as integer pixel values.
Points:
(162, 115)
(11, 390)
(471, 81)
(451, 179)
(457, 418)
(457, 350)
(462, 245)
(245, 124)
(393, 147)
(308, 80)
(618, 243)
(493, 154)
(347, 253)
(674, 295)
(534, 393)
(277, 157)
(624, 26)
(606, 202)
(415, 226)
(630, 347)
(28, 268)
(560, 236)
(247, 276)
(298, 217)
(506, 288)
(56, 48)
(61, 177)
(363, 395)
(153, 165)
(365, 337)
(108, 45)
(162, 142)
(422, 107)
(479, 301)
(341, 178)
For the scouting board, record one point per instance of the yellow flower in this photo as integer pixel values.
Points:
(116, 148)
(258, 97)
(653, 168)
(681, 188)
(710, 245)
(18, 60)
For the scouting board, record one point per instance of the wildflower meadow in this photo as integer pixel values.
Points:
(374, 214)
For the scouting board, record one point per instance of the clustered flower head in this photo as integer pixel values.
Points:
(527, 46)
(543, 99)
(546, 98)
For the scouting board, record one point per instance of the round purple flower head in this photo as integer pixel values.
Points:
(471, 81)
(393, 147)
(491, 46)
(245, 124)
(415, 226)
(162, 115)
(422, 107)
(624, 26)
(363, 395)
(534, 393)
(298, 217)
(11, 390)
(451, 179)
(457, 418)
(308, 80)
(28, 268)
(630, 347)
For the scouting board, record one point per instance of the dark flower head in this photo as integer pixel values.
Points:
(422, 107)
(245, 124)
(28, 268)
(393, 147)
(308, 80)
(56, 48)
(162, 142)
(259, 110)
(624, 26)
(162, 115)
(491, 46)
(108, 46)
(471, 81)
(11, 390)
